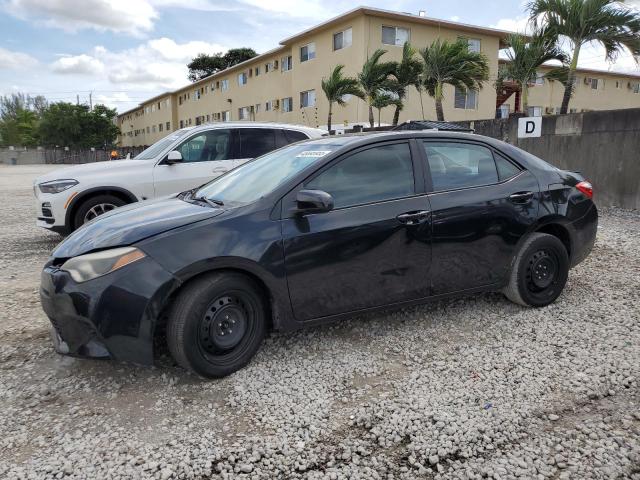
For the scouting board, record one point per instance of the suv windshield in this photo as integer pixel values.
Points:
(261, 176)
(157, 148)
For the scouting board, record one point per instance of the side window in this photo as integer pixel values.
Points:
(506, 169)
(372, 175)
(295, 136)
(460, 165)
(207, 146)
(256, 141)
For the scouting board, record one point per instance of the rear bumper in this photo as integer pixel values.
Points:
(113, 316)
(584, 235)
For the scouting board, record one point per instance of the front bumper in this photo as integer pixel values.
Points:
(50, 208)
(113, 316)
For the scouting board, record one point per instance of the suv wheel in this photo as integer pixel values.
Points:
(216, 324)
(539, 272)
(94, 207)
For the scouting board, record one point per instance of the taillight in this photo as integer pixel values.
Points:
(586, 188)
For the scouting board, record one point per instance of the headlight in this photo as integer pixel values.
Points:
(57, 186)
(94, 265)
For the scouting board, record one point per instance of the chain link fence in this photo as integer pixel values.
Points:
(33, 156)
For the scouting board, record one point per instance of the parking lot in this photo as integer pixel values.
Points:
(469, 388)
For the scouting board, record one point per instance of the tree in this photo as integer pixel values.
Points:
(452, 64)
(204, 65)
(606, 22)
(66, 124)
(384, 99)
(525, 55)
(336, 86)
(19, 115)
(374, 77)
(405, 74)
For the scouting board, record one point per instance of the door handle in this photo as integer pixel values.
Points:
(521, 197)
(413, 218)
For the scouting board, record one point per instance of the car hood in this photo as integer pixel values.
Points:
(132, 223)
(78, 172)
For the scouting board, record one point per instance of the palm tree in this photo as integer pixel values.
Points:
(525, 56)
(605, 22)
(384, 99)
(336, 87)
(374, 77)
(405, 74)
(453, 64)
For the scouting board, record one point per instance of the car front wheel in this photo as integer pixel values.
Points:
(94, 207)
(540, 271)
(216, 324)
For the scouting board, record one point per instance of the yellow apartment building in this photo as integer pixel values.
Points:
(284, 84)
(594, 90)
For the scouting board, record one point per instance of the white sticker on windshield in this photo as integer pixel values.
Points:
(313, 153)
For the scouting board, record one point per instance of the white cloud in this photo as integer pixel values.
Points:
(124, 16)
(79, 65)
(15, 60)
(316, 9)
(156, 64)
(519, 24)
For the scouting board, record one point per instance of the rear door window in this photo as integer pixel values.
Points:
(460, 165)
(256, 141)
(506, 169)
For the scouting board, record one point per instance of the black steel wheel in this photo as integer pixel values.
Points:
(540, 271)
(216, 324)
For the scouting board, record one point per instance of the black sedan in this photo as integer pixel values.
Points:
(313, 232)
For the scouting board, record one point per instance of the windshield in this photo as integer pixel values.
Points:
(258, 178)
(157, 148)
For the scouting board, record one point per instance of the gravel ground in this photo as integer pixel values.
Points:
(470, 388)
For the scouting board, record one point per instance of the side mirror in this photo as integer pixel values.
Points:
(174, 157)
(313, 201)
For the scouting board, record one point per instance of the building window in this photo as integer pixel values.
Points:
(394, 35)
(287, 104)
(308, 99)
(168, 126)
(181, 123)
(148, 130)
(268, 67)
(257, 71)
(534, 111)
(287, 63)
(257, 108)
(466, 99)
(160, 126)
(153, 129)
(473, 44)
(537, 79)
(242, 78)
(635, 87)
(342, 39)
(226, 116)
(268, 106)
(308, 52)
(224, 85)
(243, 113)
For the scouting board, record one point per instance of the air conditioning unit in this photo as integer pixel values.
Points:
(548, 110)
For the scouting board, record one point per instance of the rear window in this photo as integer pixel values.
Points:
(295, 136)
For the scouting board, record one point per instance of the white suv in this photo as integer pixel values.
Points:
(184, 159)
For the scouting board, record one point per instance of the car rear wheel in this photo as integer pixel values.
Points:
(94, 207)
(216, 324)
(539, 272)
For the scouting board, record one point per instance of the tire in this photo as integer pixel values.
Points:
(208, 309)
(539, 273)
(83, 211)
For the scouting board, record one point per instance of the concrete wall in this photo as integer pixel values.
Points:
(604, 146)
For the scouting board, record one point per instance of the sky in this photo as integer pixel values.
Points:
(125, 51)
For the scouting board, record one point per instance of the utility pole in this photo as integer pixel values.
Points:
(77, 99)
(90, 102)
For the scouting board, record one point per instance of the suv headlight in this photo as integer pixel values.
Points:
(94, 265)
(57, 186)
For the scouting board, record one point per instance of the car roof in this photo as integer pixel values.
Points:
(246, 124)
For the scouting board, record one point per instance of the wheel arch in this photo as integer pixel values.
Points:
(278, 308)
(85, 195)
